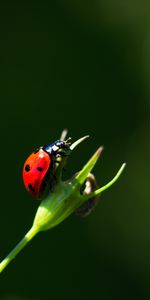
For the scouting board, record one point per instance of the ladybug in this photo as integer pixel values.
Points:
(39, 168)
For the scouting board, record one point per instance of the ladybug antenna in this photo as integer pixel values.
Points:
(76, 143)
(68, 141)
(64, 134)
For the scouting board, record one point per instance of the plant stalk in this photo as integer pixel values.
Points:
(27, 238)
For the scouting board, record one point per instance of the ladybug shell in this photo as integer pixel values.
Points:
(35, 168)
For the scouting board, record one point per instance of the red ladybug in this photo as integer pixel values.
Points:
(38, 170)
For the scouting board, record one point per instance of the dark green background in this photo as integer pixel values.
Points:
(84, 65)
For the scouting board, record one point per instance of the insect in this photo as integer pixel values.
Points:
(39, 168)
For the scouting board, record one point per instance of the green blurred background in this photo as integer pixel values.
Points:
(83, 65)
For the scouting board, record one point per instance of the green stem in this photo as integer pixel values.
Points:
(30, 234)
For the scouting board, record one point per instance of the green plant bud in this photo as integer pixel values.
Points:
(65, 198)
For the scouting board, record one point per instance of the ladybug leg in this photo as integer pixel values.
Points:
(57, 160)
(87, 208)
(64, 152)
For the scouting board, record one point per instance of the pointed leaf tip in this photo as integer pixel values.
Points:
(81, 176)
(64, 134)
(110, 183)
(76, 143)
(99, 150)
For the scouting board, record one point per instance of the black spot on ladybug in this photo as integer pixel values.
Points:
(30, 186)
(40, 169)
(27, 168)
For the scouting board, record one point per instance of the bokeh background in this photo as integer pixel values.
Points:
(84, 65)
